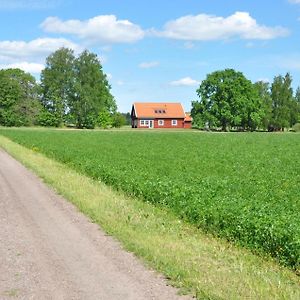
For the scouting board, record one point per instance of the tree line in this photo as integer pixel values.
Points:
(229, 101)
(73, 91)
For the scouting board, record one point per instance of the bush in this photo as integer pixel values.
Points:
(9, 118)
(118, 120)
(296, 127)
(47, 119)
(89, 122)
(104, 119)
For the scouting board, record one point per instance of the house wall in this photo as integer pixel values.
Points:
(167, 123)
(187, 125)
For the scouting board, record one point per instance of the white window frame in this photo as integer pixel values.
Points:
(161, 122)
(174, 123)
(145, 123)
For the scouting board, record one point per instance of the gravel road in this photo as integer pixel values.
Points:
(48, 250)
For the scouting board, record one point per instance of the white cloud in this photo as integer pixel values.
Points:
(294, 1)
(16, 51)
(105, 29)
(25, 66)
(205, 27)
(109, 76)
(148, 65)
(186, 81)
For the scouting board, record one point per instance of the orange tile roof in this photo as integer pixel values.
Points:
(158, 110)
(188, 117)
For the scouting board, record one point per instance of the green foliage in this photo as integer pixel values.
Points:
(263, 90)
(57, 83)
(91, 91)
(118, 120)
(19, 105)
(227, 99)
(75, 89)
(127, 117)
(296, 127)
(296, 107)
(104, 119)
(47, 119)
(282, 102)
(89, 121)
(242, 187)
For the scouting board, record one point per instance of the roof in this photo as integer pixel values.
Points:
(188, 117)
(158, 110)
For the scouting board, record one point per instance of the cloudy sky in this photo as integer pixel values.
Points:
(156, 50)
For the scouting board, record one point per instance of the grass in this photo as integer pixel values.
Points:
(197, 263)
(242, 187)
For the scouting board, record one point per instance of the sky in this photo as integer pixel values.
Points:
(156, 51)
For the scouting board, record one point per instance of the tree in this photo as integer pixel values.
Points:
(282, 97)
(127, 117)
(263, 90)
(19, 102)
(297, 96)
(296, 110)
(119, 120)
(91, 91)
(227, 99)
(74, 89)
(57, 81)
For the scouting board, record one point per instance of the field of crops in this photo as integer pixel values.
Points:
(243, 187)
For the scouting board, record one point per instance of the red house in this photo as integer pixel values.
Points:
(159, 115)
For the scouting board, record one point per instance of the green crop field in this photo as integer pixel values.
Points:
(244, 187)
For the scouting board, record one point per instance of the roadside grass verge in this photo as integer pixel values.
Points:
(197, 263)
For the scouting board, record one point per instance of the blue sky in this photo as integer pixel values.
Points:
(156, 51)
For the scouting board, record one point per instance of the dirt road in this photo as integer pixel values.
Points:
(48, 250)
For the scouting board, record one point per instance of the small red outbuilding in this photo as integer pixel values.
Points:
(159, 115)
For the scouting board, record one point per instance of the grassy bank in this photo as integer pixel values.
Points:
(197, 263)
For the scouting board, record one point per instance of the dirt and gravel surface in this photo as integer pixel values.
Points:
(48, 250)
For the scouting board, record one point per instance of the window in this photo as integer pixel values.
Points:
(144, 123)
(174, 122)
(160, 111)
(161, 122)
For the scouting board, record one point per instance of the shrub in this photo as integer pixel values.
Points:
(296, 127)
